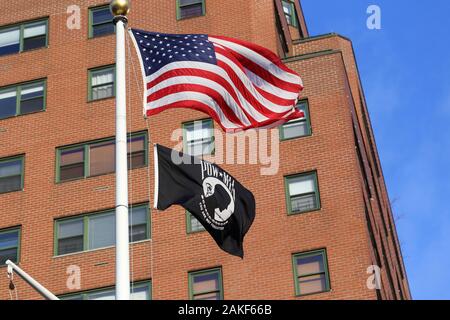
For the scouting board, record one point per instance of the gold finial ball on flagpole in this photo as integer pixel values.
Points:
(120, 7)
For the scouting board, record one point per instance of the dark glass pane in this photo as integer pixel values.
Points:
(137, 160)
(191, 11)
(8, 101)
(9, 239)
(303, 203)
(12, 48)
(103, 29)
(138, 232)
(34, 42)
(32, 105)
(8, 184)
(8, 254)
(101, 15)
(72, 164)
(70, 245)
(73, 171)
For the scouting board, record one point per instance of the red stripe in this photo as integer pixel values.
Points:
(179, 88)
(248, 96)
(207, 75)
(241, 61)
(266, 53)
(197, 105)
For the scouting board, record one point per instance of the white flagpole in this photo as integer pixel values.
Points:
(120, 9)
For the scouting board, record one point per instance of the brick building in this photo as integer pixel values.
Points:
(321, 221)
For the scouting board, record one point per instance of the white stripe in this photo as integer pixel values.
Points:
(156, 165)
(270, 88)
(254, 113)
(196, 96)
(259, 60)
(209, 84)
(249, 85)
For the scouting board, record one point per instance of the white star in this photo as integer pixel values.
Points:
(170, 57)
(163, 54)
(141, 41)
(176, 52)
(153, 60)
(145, 37)
(175, 47)
(159, 61)
(183, 55)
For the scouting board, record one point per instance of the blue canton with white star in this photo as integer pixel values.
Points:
(159, 49)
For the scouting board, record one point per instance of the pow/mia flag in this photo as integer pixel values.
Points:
(219, 202)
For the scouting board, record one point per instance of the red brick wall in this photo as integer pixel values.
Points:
(266, 272)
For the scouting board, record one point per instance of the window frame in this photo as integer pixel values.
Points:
(85, 218)
(288, 196)
(90, 87)
(11, 159)
(18, 87)
(91, 21)
(323, 253)
(213, 138)
(86, 156)
(293, 20)
(21, 26)
(189, 229)
(179, 6)
(17, 229)
(85, 294)
(192, 274)
(307, 120)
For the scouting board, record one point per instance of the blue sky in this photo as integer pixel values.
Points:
(405, 70)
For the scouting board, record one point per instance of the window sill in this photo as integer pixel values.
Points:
(22, 115)
(189, 18)
(98, 249)
(304, 212)
(102, 99)
(313, 293)
(194, 232)
(22, 52)
(12, 191)
(298, 137)
(101, 36)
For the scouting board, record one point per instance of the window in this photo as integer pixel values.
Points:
(302, 193)
(100, 22)
(198, 137)
(22, 99)
(98, 158)
(97, 230)
(102, 83)
(193, 225)
(298, 127)
(206, 285)
(23, 37)
(9, 245)
(311, 272)
(11, 174)
(289, 12)
(139, 291)
(190, 8)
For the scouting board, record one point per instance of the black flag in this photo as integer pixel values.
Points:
(219, 202)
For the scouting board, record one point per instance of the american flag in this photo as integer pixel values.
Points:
(239, 84)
